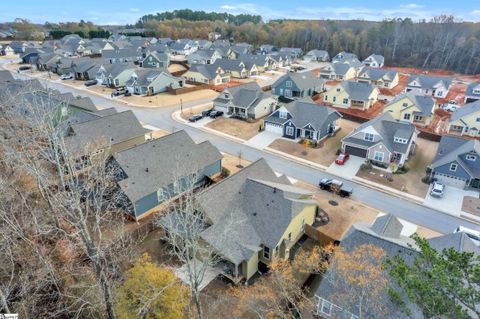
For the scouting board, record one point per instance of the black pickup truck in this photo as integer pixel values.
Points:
(336, 186)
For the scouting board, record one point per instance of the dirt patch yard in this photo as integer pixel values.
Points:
(235, 127)
(471, 205)
(231, 162)
(188, 112)
(410, 182)
(167, 99)
(324, 153)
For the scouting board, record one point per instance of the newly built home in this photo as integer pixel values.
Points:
(303, 119)
(465, 120)
(207, 74)
(412, 108)
(350, 94)
(338, 72)
(472, 94)
(158, 60)
(247, 101)
(379, 77)
(374, 61)
(317, 56)
(151, 172)
(152, 81)
(295, 85)
(383, 140)
(436, 86)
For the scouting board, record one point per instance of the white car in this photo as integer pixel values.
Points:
(68, 76)
(451, 106)
(473, 234)
(437, 190)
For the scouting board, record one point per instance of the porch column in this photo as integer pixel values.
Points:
(236, 271)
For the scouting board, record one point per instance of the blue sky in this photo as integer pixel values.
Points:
(128, 11)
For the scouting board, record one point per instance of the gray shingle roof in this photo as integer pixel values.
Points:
(120, 53)
(465, 110)
(317, 53)
(251, 208)
(303, 80)
(357, 91)
(246, 95)
(471, 87)
(376, 74)
(305, 111)
(378, 58)
(143, 77)
(425, 103)
(158, 163)
(229, 65)
(207, 70)
(450, 149)
(458, 241)
(107, 130)
(387, 128)
(429, 82)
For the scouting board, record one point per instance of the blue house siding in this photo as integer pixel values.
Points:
(294, 132)
(280, 88)
(445, 169)
(145, 204)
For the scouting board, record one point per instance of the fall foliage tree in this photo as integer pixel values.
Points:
(150, 291)
(443, 284)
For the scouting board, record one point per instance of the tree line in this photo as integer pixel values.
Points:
(440, 43)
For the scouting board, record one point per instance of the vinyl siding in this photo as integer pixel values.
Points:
(445, 169)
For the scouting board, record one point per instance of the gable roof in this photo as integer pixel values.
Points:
(317, 53)
(248, 209)
(303, 80)
(465, 110)
(458, 241)
(425, 103)
(429, 82)
(471, 87)
(376, 74)
(376, 57)
(450, 148)
(157, 163)
(207, 70)
(246, 95)
(357, 90)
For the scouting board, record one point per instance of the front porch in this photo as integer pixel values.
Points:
(238, 112)
(230, 271)
(357, 104)
(456, 129)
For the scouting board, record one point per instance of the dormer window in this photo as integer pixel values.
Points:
(405, 104)
(282, 115)
(453, 167)
(400, 140)
(288, 84)
(369, 137)
(476, 91)
(471, 157)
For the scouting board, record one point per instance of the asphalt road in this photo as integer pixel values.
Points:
(402, 208)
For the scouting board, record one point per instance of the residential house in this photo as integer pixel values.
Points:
(152, 81)
(18, 46)
(388, 233)
(107, 134)
(122, 55)
(412, 108)
(303, 119)
(295, 53)
(350, 94)
(338, 72)
(254, 217)
(8, 50)
(374, 61)
(30, 55)
(246, 101)
(183, 47)
(262, 62)
(457, 162)
(85, 69)
(150, 171)
(116, 76)
(379, 77)
(267, 49)
(204, 44)
(207, 74)
(317, 56)
(63, 66)
(237, 68)
(435, 86)
(295, 85)
(282, 59)
(472, 94)
(239, 49)
(345, 57)
(158, 60)
(465, 120)
(383, 140)
(204, 56)
(45, 61)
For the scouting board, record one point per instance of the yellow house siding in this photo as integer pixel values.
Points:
(250, 267)
(351, 74)
(336, 98)
(196, 77)
(469, 120)
(398, 111)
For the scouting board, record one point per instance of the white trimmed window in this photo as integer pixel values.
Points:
(266, 252)
(471, 157)
(288, 84)
(289, 130)
(345, 101)
(453, 167)
(378, 156)
(368, 137)
(326, 308)
(400, 140)
(282, 115)
(406, 116)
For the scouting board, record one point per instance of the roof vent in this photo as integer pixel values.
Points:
(254, 214)
(146, 169)
(274, 190)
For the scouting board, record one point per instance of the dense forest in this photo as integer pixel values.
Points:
(441, 43)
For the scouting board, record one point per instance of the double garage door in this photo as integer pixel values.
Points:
(451, 180)
(356, 151)
(274, 128)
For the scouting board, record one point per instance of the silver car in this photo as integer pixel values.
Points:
(437, 190)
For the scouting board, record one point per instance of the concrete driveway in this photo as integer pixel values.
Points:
(349, 169)
(262, 140)
(201, 123)
(451, 202)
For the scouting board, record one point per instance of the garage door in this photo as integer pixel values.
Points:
(355, 151)
(450, 180)
(274, 128)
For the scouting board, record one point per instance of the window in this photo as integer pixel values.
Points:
(453, 167)
(282, 115)
(345, 101)
(406, 116)
(266, 252)
(368, 137)
(378, 156)
(290, 236)
(338, 90)
(418, 118)
(478, 119)
(471, 157)
(325, 98)
(400, 140)
(303, 225)
(334, 99)
(405, 104)
(289, 131)
(288, 84)
(326, 308)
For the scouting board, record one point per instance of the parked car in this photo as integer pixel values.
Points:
(207, 112)
(473, 234)
(119, 91)
(195, 117)
(438, 189)
(451, 106)
(335, 186)
(342, 158)
(23, 68)
(90, 82)
(215, 114)
(68, 76)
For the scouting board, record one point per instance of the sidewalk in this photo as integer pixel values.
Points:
(357, 180)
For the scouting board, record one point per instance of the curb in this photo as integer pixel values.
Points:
(388, 190)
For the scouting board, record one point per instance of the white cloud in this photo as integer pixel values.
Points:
(228, 7)
(134, 10)
(411, 6)
(476, 12)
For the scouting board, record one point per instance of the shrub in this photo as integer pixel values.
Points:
(225, 172)
(426, 179)
(338, 152)
(366, 166)
(402, 169)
